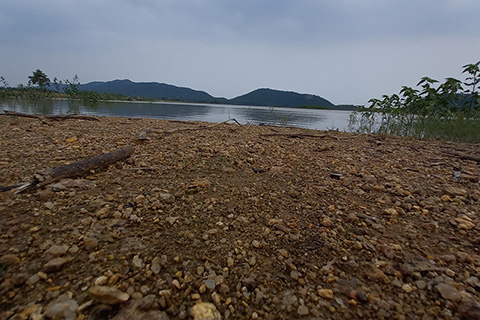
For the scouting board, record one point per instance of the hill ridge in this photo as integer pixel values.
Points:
(164, 91)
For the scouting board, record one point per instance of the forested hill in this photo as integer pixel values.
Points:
(151, 90)
(277, 98)
(162, 91)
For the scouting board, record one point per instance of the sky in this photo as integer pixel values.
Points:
(346, 51)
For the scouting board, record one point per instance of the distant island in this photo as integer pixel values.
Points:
(167, 92)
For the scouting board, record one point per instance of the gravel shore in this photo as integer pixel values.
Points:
(224, 221)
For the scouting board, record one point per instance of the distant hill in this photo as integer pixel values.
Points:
(151, 90)
(162, 91)
(277, 98)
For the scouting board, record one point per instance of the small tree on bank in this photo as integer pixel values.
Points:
(39, 78)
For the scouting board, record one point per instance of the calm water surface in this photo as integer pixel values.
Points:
(302, 118)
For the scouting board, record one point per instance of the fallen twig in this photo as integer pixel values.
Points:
(298, 135)
(50, 117)
(465, 156)
(76, 169)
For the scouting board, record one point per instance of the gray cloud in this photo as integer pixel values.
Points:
(230, 47)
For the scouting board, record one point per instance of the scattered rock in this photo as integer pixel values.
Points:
(325, 293)
(205, 311)
(448, 292)
(62, 308)
(108, 295)
(55, 264)
(135, 309)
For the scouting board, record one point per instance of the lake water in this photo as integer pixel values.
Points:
(302, 118)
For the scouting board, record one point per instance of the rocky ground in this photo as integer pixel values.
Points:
(226, 221)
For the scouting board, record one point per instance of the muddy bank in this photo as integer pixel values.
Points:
(233, 222)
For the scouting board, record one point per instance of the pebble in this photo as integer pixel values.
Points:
(449, 292)
(205, 311)
(155, 267)
(137, 261)
(136, 310)
(210, 283)
(390, 212)
(358, 246)
(421, 284)
(200, 270)
(100, 281)
(108, 295)
(62, 308)
(56, 251)
(302, 310)
(171, 220)
(256, 244)
(474, 282)
(33, 279)
(325, 293)
(469, 309)
(9, 259)
(55, 264)
(326, 222)
(407, 288)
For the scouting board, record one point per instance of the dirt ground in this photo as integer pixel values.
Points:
(232, 221)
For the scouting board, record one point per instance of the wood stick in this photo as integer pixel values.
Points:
(50, 117)
(297, 135)
(79, 168)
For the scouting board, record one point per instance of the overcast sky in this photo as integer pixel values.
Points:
(346, 51)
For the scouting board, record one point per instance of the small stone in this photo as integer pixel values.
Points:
(55, 264)
(407, 288)
(62, 308)
(326, 222)
(33, 279)
(256, 244)
(390, 212)
(100, 281)
(155, 267)
(210, 284)
(284, 253)
(295, 275)
(325, 293)
(358, 246)
(195, 296)
(205, 311)
(445, 198)
(137, 261)
(200, 270)
(421, 284)
(469, 309)
(48, 205)
(352, 218)
(171, 220)
(140, 310)
(302, 310)
(108, 295)
(56, 251)
(176, 284)
(449, 292)
(474, 282)
(230, 261)
(9, 259)
(216, 299)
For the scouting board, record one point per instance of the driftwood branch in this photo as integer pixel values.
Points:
(298, 135)
(465, 156)
(49, 117)
(77, 169)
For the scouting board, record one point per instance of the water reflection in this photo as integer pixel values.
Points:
(303, 118)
